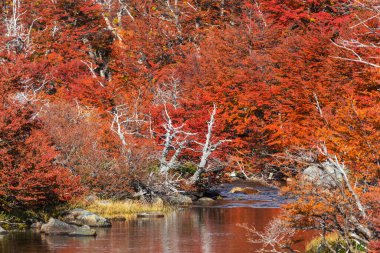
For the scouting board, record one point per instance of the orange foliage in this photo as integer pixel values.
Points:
(275, 70)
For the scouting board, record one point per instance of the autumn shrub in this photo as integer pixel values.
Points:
(374, 246)
(29, 177)
(88, 147)
(330, 202)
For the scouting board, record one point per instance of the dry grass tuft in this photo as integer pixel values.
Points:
(125, 209)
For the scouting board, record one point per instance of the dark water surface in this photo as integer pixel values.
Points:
(198, 229)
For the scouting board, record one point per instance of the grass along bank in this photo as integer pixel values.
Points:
(113, 209)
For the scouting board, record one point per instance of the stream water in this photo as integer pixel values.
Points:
(198, 229)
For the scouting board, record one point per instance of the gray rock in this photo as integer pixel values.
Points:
(83, 231)
(37, 225)
(205, 201)
(82, 217)
(324, 174)
(57, 227)
(180, 200)
(3, 231)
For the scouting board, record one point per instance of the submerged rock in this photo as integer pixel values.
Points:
(83, 231)
(57, 227)
(205, 201)
(244, 190)
(37, 225)
(82, 217)
(180, 200)
(3, 231)
(150, 215)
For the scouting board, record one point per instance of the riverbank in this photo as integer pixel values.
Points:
(129, 208)
(109, 209)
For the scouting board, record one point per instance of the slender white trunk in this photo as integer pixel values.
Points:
(207, 148)
(175, 139)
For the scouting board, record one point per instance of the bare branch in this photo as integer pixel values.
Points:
(341, 168)
(275, 237)
(169, 92)
(175, 139)
(92, 71)
(20, 36)
(356, 44)
(207, 147)
(128, 120)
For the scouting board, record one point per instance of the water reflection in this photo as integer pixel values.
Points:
(205, 230)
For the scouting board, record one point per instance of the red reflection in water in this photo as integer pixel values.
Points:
(206, 230)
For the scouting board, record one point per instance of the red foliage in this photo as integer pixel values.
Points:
(28, 176)
(273, 68)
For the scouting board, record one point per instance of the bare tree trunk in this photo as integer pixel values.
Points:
(207, 148)
(175, 138)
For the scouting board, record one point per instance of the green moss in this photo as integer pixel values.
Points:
(10, 222)
(187, 168)
(154, 167)
(6, 226)
(18, 218)
(4, 216)
(335, 242)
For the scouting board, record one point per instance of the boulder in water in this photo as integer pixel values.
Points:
(36, 225)
(244, 190)
(82, 217)
(205, 201)
(180, 200)
(83, 231)
(3, 231)
(57, 227)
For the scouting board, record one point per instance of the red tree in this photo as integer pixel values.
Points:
(29, 178)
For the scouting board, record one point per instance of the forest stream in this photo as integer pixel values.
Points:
(203, 229)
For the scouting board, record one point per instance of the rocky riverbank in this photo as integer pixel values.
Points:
(95, 212)
(75, 222)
